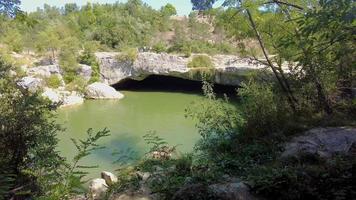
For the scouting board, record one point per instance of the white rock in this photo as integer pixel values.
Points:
(97, 188)
(109, 177)
(30, 83)
(53, 96)
(144, 175)
(72, 100)
(102, 91)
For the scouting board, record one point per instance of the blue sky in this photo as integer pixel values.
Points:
(183, 6)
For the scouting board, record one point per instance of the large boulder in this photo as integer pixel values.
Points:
(324, 142)
(102, 91)
(109, 178)
(97, 189)
(30, 83)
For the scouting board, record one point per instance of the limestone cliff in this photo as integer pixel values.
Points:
(228, 70)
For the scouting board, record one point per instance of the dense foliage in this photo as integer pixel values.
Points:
(30, 164)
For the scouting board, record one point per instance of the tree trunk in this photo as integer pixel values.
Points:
(281, 80)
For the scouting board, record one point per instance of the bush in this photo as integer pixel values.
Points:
(77, 84)
(128, 55)
(88, 58)
(159, 47)
(201, 61)
(261, 108)
(53, 81)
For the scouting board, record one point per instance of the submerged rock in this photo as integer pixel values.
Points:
(109, 177)
(97, 188)
(102, 91)
(324, 142)
(73, 99)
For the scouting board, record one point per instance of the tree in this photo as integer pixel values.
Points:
(28, 131)
(168, 10)
(70, 8)
(202, 4)
(50, 41)
(9, 7)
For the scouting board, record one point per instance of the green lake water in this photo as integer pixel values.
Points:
(128, 120)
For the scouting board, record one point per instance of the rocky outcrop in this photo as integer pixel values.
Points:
(229, 70)
(324, 142)
(97, 189)
(102, 91)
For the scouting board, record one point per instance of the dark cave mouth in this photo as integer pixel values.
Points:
(161, 83)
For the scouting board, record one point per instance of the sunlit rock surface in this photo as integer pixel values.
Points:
(229, 70)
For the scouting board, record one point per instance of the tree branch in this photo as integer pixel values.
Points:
(286, 4)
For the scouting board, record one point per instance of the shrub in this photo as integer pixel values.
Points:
(53, 81)
(88, 58)
(69, 64)
(201, 61)
(159, 47)
(128, 55)
(77, 84)
(260, 107)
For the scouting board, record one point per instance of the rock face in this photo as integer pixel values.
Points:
(102, 91)
(97, 188)
(109, 177)
(324, 142)
(229, 70)
(30, 83)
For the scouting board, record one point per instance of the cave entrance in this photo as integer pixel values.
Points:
(156, 83)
